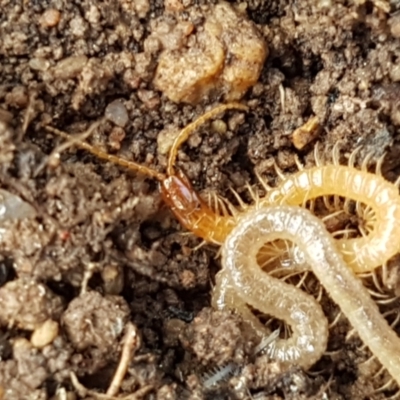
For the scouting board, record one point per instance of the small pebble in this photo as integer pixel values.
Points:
(165, 139)
(39, 64)
(306, 133)
(219, 126)
(70, 67)
(113, 279)
(117, 135)
(117, 113)
(50, 18)
(13, 207)
(44, 334)
(394, 24)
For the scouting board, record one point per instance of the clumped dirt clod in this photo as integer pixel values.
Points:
(27, 304)
(223, 56)
(92, 321)
(101, 250)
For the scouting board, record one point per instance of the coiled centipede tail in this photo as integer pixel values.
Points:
(254, 287)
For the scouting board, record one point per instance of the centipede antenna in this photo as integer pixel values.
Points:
(365, 163)
(109, 157)
(317, 158)
(71, 140)
(336, 154)
(379, 163)
(187, 130)
(353, 155)
(299, 164)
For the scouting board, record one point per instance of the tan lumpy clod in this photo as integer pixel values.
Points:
(225, 55)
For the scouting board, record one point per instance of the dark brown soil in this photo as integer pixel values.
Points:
(100, 249)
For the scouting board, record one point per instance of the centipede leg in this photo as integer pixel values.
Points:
(279, 172)
(389, 384)
(336, 154)
(299, 164)
(366, 161)
(353, 156)
(242, 204)
(379, 163)
(317, 156)
(263, 182)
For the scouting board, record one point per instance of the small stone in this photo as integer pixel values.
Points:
(27, 304)
(306, 133)
(117, 113)
(165, 139)
(44, 334)
(219, 126)
(50, 18)
(39, 64)
(225, 57)
(70, 67)
(394, 23)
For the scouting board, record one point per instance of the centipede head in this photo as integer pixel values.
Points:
(178, 194)
(188, 207)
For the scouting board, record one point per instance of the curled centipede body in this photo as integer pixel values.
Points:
(254, 287)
